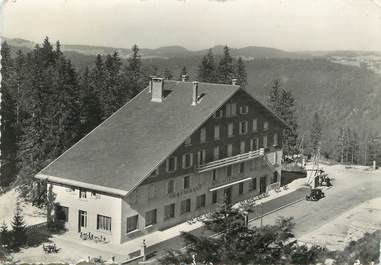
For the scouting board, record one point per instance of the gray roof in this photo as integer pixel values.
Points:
(122, 151)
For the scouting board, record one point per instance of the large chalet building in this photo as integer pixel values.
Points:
(173, 152)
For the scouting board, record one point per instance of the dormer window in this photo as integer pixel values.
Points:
(188, 141)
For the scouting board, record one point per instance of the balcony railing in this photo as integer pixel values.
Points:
(230, 160)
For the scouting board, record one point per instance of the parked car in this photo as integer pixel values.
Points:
(315, 195)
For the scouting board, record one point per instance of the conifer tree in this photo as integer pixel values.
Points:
(5, 235)
(19, 235)
(8, 126)
(183, 72)
(288, 113)
(225, 69)
(241, 74)
(134, 77)
(316, 132)
(207, 69)
(274, 100)
(91, 109)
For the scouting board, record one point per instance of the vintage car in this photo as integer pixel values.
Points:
(315, 195)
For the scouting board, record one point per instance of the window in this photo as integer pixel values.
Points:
(216, 132)
(132, 223)
(203, 135)
(240, 188)
(242, 147)
(230, 150)
(264, 141)
(94, 195)
(151, 217)
(62, 213)
(187, 160)
(229, 171)
(228, 110)
(171, 164)
(103, 222)
(214, 196)
(244, 109)
(82, 194)
(186, 182)
(169, 211)
(233, 109)
(255, 125)
(200, 201)
(82, 218)
(188, 141)
(170, 186)
(254, 144)
(253, 185)
(218, 114)
(214, 175)
(275, 138)
(242, 167)
(230, 129)
(201, 155)
(243, 127)
(216, 153)
(265, 125)
(185, 206)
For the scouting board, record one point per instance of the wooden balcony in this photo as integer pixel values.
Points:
(230, 160)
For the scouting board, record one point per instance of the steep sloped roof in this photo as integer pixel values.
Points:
(128, 146)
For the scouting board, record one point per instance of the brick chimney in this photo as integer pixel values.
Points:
(157, 85)
(195, 93)
(234, 81)
(150, 83)
(184, 78)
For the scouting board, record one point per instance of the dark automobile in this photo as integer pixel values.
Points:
(315, 195)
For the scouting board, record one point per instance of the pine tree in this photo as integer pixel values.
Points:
(274, 100)
(8, 126)
(316, 132)
(241, 73)
(133, 73)
(183, 73)
(5, 235)
(207, 69)
(19, 235)
(225, 70)
(90, 110)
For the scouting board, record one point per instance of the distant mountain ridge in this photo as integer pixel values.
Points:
(249, 52)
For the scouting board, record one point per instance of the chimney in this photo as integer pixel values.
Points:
(184, 78)
(195, 93)
(234, 81)
(150, 83)
(157, 84)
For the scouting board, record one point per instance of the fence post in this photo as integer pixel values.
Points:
(143, 251)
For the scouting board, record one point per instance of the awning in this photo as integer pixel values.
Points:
(229, 184)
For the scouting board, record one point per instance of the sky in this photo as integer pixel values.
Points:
(291, 25)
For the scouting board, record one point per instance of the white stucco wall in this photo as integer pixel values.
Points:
(103, 205)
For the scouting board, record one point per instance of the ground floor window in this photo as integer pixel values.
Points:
(214, 196)
(200, 201)
(132, 223)
(185, 206)
(169, 211)
(151, 217)
(253, 185)
(103, 222)
(62, 213)
(240, 190)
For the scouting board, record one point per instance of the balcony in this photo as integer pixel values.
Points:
(230, 160)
